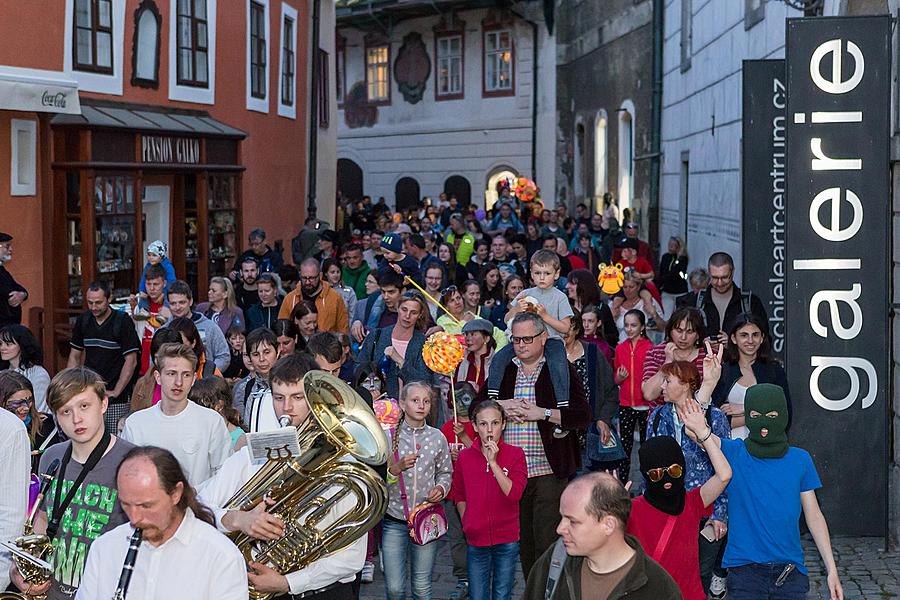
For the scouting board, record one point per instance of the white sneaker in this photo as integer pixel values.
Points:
(368, 572)
(717, 588)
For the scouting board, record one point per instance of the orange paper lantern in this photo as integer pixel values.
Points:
(443, 352)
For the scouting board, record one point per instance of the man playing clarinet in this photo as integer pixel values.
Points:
(180, 554)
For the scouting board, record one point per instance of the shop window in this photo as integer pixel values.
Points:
(378, 79)
(222, 217)
(193, 43)
(23, 145)
(288, 82)
(114, 213)
(74, 289)
(340, 69)
(145, 50)
(498, 62)
(257, 55)
(448, 57)
(93, 39)
(192, 51)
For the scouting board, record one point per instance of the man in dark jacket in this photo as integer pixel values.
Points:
(723, 301)
(594, 510)
(544, 426)
(12, 294)
(267, 259)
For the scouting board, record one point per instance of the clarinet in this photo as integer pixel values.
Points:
(128, 567)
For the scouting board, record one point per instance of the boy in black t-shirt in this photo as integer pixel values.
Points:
(91, 457)
(106, 341)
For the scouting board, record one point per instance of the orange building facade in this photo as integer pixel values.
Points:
(127, 121)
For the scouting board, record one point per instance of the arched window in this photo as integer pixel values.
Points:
(349, 179)
(460, 187)
(601, 183)
(406, 194)
(492, 189)
(626, 155)
(145, 53)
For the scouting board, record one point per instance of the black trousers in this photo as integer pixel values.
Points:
(343, 591)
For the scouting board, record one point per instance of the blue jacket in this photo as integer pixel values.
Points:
(698, 466)
(414, 368)
(170, 274)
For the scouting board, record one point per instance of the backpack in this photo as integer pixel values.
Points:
(557, 562)
(701, 302)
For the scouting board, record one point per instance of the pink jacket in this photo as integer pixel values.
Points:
(491, 517)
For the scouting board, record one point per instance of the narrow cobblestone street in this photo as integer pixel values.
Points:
(867, 572)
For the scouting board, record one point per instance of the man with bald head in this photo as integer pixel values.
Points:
(599, 560)
(331, 309)
(181, 553)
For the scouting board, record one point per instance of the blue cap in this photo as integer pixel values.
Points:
(392, 242)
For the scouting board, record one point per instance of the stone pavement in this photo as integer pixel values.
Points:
(867, 572)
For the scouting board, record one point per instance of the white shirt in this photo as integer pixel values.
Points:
(197, 436)
(15, 471)
(261, 412)
(197, 562)
(341, 566)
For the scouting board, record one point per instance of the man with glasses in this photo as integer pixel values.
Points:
(723, 301)
(12, 294)
(540, 424)
(331, 308)
(267, 259)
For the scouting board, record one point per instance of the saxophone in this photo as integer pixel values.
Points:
(128, 567)
(306, 488)
(31, 551)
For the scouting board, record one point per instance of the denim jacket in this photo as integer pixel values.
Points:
(698, 466)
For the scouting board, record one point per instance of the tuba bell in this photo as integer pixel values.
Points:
(305, 488)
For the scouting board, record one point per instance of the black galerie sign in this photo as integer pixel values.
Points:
(838, 335)
(763, 156)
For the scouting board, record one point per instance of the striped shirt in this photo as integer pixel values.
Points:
(526, 435)
(656, 358)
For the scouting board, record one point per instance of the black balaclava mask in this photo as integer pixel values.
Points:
(768, 435)
(663, 452)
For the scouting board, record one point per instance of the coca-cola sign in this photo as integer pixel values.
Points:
(57, 100)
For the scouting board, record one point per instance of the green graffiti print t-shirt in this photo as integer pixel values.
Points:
(94, 510)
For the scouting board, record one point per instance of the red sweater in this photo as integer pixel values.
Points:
(491, 517)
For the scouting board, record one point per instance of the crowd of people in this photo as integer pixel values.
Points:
(524, 462)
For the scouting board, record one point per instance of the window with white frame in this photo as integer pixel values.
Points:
(257, 50)
(377, 73)
(93, 43)
(193, 43)
(93, 40)
(258, 37)
(449, 58)
(192, 51)
(498, 63)
(287, 81)
(23, 150)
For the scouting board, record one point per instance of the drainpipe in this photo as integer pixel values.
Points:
(656, 123)
(313, 115)
(534, 98)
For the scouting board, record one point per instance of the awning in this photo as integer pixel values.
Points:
(105, 114)
(34, 90)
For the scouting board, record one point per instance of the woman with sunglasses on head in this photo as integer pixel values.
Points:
(680, 384)
(17, 396)
(456, 316)
(665, 519)
(21, 352)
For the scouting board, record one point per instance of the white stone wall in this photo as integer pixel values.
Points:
(702, 115)
(471, 137)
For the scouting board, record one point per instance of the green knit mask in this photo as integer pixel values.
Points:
(768, 407)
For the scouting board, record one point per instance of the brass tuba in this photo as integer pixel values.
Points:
(305, 488)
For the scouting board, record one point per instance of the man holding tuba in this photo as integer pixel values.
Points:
(327, 578)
